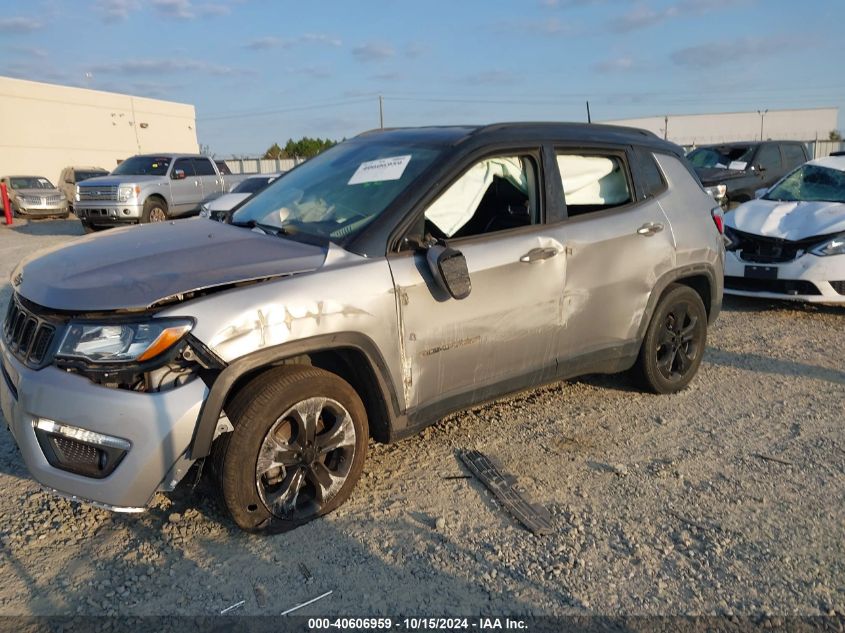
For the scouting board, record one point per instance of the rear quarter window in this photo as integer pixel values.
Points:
(650, 177)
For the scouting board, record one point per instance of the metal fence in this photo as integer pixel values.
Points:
(261, 165)
(824, 148)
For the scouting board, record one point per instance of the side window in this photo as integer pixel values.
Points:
(593, 182)
(186, 165)
(493, 195)
(651, 180)
(203, 167)
(768, 157)
(793, 155)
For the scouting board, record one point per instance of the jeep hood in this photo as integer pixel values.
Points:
(788, 220)
(134, 267)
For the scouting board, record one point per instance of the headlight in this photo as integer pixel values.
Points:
(731, 239)
(835, 246)
(204, 212)
(76, 193)
(717, 192)
(122, 342)
(127, 192)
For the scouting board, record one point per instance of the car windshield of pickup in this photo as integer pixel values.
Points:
(726, 157)
(143, 166)
(334, 195)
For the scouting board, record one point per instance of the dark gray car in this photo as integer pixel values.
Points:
(395, 278)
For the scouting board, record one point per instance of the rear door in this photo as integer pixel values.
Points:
(185, 193)
(212, 183)
(618, 243)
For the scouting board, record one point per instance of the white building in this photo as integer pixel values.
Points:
(699, 129)
(46, 127)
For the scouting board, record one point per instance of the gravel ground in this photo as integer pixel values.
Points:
(725, 499)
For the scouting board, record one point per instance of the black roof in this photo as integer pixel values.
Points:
(525, 131)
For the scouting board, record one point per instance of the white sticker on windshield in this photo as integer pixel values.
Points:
(738, 165)
(43, 182)
(380, 170)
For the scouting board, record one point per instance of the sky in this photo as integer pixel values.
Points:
(261, 71)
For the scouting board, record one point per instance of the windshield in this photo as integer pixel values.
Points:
(30, 182)
(337, 193)
(85, 175)
(251, 185)
(726, 157)
(810, 183)
(143, 166)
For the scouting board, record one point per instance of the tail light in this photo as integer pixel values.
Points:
(719, 219)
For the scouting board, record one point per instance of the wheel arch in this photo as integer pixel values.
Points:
(351, 356)
(700, 277)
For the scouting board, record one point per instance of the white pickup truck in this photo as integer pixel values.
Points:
(150, 188)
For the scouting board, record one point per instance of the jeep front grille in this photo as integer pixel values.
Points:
(28, 336)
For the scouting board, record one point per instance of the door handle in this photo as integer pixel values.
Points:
(537, 254)
(650, 228)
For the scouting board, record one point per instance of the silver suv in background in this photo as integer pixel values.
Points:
(72, 176)
(395, 278)
(149, 188)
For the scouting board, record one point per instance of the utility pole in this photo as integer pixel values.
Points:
(666, 127)
(589, 119)
(762, 114)
(381, 111)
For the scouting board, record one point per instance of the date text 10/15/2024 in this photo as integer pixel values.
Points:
(417, 624)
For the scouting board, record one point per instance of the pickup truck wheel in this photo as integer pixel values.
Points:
(297, 449)
(674, 342)
(155, 210)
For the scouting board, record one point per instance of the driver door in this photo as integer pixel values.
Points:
(506, 329)
(185, 193)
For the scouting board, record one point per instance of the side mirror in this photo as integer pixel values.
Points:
(760, 193)
(449, 268)
(759, 169)
(178, 174)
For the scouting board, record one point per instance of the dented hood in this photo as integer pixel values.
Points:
(132, 268)
(788, 220)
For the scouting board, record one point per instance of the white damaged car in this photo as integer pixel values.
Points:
(789, 243)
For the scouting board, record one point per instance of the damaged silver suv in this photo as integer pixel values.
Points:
(397, 277)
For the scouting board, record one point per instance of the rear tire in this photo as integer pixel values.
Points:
(674, 342)
(297, 450)
(155, 210)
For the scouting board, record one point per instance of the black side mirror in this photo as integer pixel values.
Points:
(449, 267)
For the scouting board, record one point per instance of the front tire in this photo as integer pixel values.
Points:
(155, 210)
(674, 342)
(297, 450)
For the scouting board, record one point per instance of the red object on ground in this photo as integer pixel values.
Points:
(7, 208)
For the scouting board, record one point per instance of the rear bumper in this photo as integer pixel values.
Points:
(807, 278)
(158, 427)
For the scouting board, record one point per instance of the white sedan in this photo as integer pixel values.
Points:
(217, 208)
(790, 242)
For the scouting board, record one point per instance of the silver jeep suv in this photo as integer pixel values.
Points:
(397, 277)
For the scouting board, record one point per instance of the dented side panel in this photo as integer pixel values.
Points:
(506, 327)
(612, 270)
(352, 294)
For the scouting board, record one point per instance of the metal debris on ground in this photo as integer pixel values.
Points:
(306, 573)
(233, 607)
(305, 604)
(769, 458)
(533, 516)
(451, 477)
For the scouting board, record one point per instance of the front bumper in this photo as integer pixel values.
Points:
(41, 210)
(806, 278)
(108, 213)
(158, 426)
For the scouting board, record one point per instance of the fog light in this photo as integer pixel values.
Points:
(81, 435)
(79, 451)
(126, 212)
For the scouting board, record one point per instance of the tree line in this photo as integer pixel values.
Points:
(306, 147)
